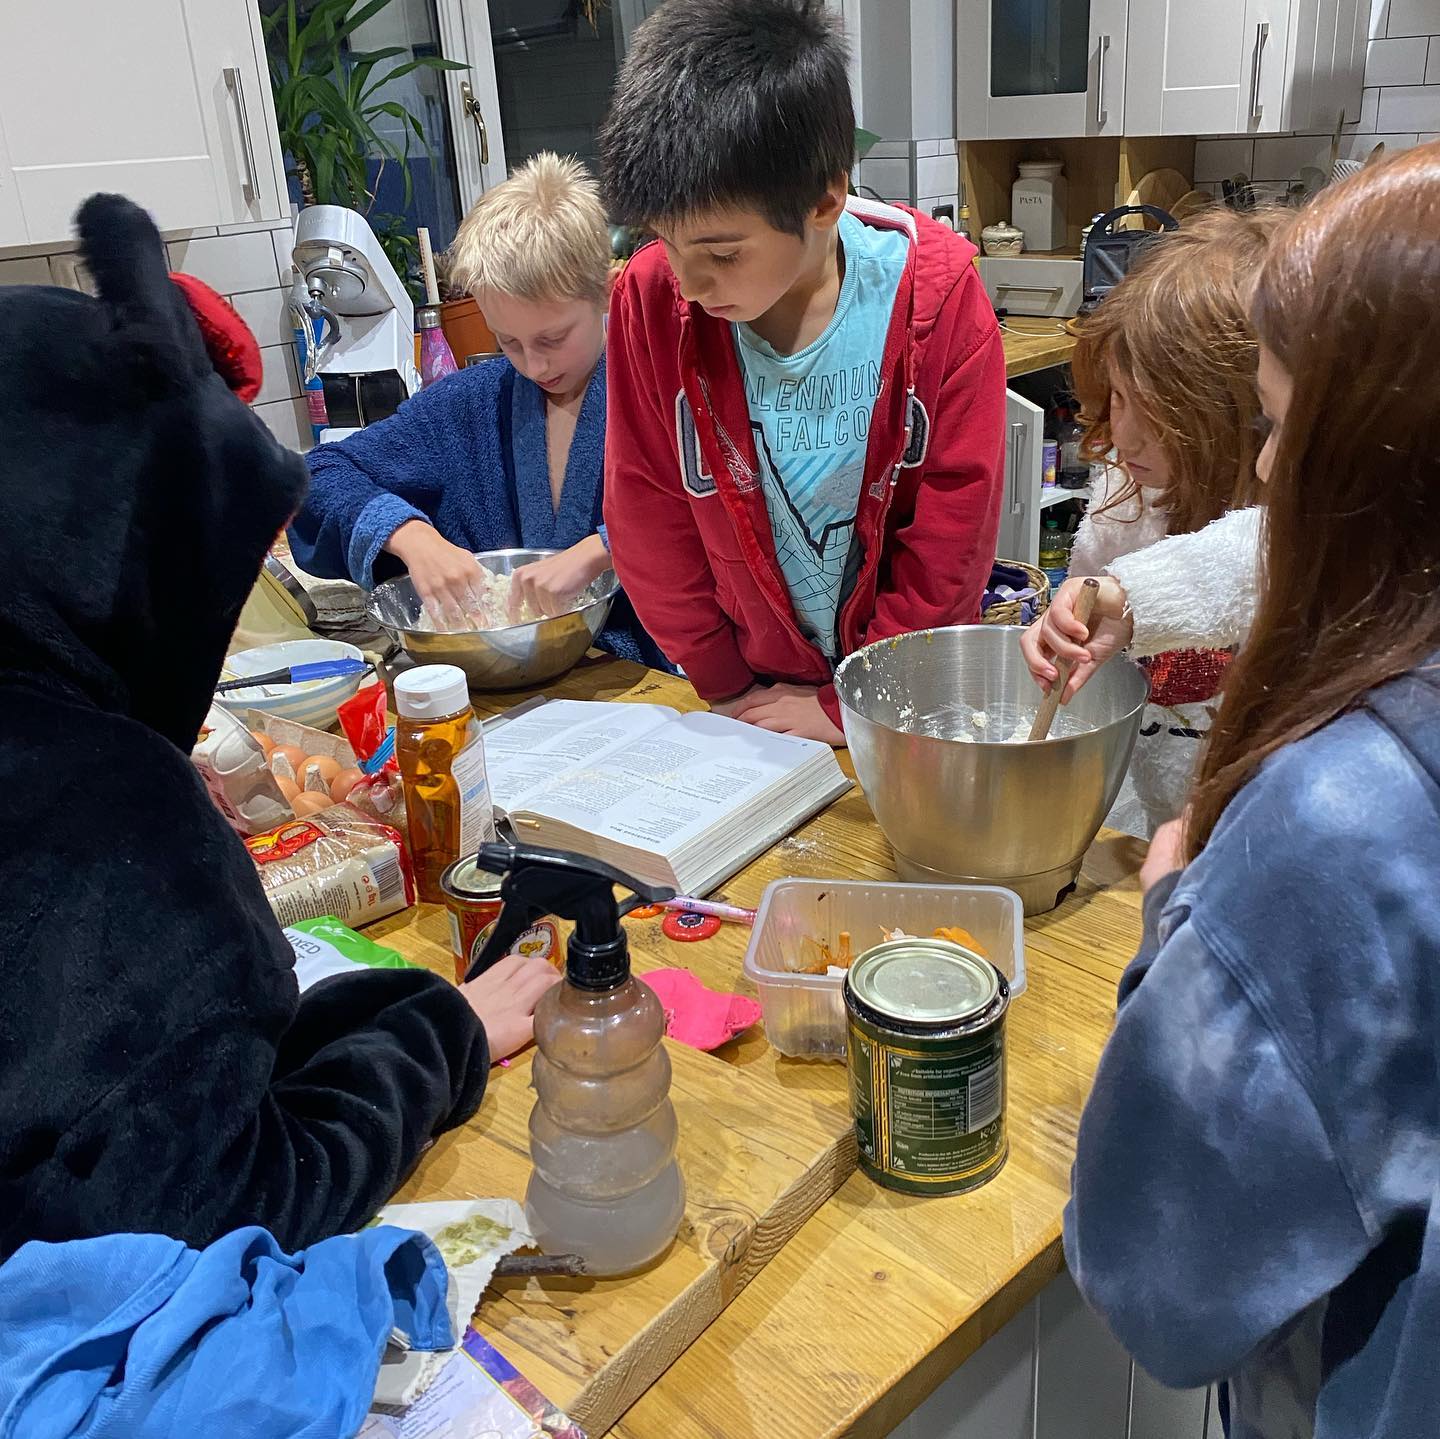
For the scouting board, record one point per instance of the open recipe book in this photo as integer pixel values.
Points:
(678, 799)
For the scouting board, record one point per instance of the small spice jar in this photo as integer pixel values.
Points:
(1002, 239)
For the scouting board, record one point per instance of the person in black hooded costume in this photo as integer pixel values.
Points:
(158, 1070)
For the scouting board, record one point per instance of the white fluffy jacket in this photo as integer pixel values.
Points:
(1186, 592)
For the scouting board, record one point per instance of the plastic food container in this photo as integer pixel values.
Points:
(805, 1013)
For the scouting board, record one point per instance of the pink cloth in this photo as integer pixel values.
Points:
(698, 1016)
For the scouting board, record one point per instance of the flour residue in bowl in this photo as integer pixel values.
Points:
(994, 724)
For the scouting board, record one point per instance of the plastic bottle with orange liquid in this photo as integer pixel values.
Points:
(441, 753)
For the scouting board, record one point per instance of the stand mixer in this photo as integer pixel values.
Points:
(355, 317)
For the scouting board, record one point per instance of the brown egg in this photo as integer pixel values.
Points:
(288, 788)
(318, 773)
(307, 803)
(266, 744)
(344, 782)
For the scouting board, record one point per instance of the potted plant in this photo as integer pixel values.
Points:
(328, 104)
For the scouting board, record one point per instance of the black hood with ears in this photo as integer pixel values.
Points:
(138, 494)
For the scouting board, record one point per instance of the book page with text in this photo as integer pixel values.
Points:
(661, 789)
(528, 753)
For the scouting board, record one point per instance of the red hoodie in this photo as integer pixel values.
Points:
(688, 528)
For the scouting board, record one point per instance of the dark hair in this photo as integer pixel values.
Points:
(1348, 301)
(729, 102)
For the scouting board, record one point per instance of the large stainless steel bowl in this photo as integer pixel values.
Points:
(506, 659)
(1018, 815)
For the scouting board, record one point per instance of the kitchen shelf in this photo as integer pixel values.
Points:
(1057, 496)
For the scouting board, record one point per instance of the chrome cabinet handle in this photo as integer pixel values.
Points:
(236, 86)
(1262, 34)
(1014, 449)
(1100, 116)
(471, 107)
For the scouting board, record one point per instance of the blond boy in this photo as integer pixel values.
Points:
(503, 454)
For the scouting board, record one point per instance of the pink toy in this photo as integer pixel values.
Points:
(698, 1016)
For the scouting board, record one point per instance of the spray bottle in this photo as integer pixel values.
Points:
(602, 1134)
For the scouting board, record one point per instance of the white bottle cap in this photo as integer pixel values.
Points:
(431, 692)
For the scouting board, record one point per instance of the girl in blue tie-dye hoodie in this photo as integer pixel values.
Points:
(1256, 1183)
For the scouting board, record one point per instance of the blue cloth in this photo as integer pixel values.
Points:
(462, 455)
(1255, 1187)
(811, 413)
(134, 1336)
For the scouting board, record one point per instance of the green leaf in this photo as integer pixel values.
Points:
(865, 141)
(424, 62)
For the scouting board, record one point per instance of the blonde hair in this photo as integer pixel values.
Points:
(1177, 333)
(540, 235)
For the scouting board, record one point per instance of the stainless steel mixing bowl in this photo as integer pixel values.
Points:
(1018, 815)
(506, 659)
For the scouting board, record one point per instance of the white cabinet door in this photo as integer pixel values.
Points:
(227, 50)
(12, 217)
(1185, 67)
(134, 98)
(1036, 69)
(1330, 38)
(1024, 462)
(1227, 67)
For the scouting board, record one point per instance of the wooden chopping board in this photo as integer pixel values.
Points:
(759, 1158)
(1158, 187)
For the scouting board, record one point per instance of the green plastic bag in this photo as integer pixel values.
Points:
(325, 946)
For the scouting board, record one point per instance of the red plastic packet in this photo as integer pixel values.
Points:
(362, 717)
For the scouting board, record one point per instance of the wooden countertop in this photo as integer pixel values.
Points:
(881, 1295)
(1034, 344)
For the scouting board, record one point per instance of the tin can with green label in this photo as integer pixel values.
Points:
(926, 1031)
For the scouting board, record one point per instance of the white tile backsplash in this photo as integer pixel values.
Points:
(32, 271)
(1411, 17)
(280, 381)
(283, 243)
(267, 314)
(1395, 62)
(1432, 70)
(289, 422)
(937, 174)
(228, 263)
(1409, 107)
(69, 271)
(1220, 159)
(888, 177)
(1282, 157)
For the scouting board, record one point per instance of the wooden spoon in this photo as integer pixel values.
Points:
(1045, 715)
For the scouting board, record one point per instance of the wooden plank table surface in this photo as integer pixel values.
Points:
(1034, 344)
(879, 1296)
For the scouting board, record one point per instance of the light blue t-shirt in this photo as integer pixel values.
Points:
(810, 414)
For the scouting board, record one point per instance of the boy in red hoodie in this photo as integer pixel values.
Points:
(806, 392)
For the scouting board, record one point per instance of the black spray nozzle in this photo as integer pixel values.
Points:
(554, 881)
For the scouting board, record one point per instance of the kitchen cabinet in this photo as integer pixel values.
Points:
(167, 101)
(1243, 67)
(1019, 537)
(1032, 69)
